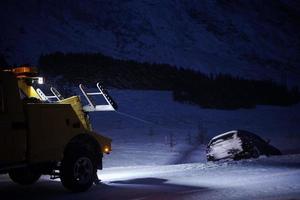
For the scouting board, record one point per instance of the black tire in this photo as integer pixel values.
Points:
(78, 169)
(237, 157)
(24, 175)
(255, 152)
(210, 158)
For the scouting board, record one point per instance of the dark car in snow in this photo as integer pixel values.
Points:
(238, 144)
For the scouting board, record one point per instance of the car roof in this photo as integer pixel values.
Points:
(224, 134)
(238, 131)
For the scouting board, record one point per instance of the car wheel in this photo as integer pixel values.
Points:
(78, 169)
(237, 157)
(255, 152)
(24, 175)
(210, 158)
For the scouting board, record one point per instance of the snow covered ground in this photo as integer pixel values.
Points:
(264, 178)
(167, 132)
(157, 154)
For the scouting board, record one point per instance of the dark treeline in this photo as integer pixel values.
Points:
(188, 86)
(125, 74)
(227, 92)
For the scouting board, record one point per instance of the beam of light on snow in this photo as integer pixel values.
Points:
(117, 175)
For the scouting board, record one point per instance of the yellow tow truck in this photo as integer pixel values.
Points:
(49, 135)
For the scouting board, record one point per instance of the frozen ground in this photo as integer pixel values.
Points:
(265, 178)
(158, 155)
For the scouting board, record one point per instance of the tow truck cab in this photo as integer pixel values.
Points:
(39, 135)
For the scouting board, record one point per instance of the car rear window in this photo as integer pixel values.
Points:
(252, 136)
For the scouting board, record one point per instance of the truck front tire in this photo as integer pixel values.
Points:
(78, 169)
(24, 175)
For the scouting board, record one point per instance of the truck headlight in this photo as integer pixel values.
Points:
(106, 150)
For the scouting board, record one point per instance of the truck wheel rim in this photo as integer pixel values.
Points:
(83, 170)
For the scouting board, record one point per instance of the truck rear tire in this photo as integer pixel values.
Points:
(24, 175)
(78, 169)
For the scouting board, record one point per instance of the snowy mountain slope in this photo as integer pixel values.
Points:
(152, 120)
(256, 39)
